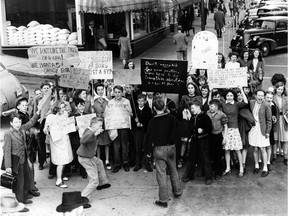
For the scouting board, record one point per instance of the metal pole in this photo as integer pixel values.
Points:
(202, 16)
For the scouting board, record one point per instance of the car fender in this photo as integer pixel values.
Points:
(272, 43)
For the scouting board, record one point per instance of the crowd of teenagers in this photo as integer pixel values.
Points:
(210, 129)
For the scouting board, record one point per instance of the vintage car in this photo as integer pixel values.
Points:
(269, 33)
(276, 13)
(10, 90)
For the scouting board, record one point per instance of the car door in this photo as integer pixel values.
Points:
(281, 33)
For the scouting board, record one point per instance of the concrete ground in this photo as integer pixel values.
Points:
(133, 193)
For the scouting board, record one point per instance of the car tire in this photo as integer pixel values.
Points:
(265, 49)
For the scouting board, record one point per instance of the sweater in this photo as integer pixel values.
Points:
(88, 144)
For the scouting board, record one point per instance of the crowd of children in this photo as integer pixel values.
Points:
(208, 127)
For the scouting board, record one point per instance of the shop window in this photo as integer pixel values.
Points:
(156, 20)
(115, 23)
(140, 26)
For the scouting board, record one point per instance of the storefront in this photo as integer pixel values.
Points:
(64, 22)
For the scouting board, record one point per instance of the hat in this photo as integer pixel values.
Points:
(179, 27)
(72, 200)
(17, 102)
(10, 204)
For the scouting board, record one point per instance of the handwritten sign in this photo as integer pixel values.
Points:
(167, 76)
(83, 122)
(127, 76)
(204, 50)
(227, 78)
(116, 117)
(53, 59)
(69, 125)
(99, 63)
(78, 79)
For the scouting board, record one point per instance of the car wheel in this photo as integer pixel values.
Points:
(265, 49)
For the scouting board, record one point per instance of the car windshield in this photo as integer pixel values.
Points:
(268, 25)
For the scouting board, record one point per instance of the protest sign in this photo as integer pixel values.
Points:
(204, 50)
(83, 122)
(227, 78)
(78, 79)
(167, 76)
(69, 125)
(127, 76)
(53, 59)
(99, 63)
(117, 117)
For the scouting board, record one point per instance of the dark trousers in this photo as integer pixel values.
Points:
(121, 147)
(132, 148)
(23, 182)
(166, 156)
(219, 33)
(139, 140)
(41, 137)
(216, 152)
(199, 146)
(75, 163)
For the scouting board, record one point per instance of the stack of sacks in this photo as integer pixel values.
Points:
(72, 39)
(45, 34)
(11, 36)
(62, 37)
(53, 34)
(33, 32)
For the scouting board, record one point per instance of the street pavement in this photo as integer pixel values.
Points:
(133, 193)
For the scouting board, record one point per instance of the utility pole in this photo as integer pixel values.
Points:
(202, 16)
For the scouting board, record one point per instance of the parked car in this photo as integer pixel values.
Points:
(269, 33)
(276, 13)
(261, 11)
(274, 2)
(10, 90)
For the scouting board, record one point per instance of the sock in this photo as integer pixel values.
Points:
(256, 165)
(265, 168)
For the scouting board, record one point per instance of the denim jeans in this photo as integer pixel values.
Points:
(96, 174)
(121, 147)
(166, 156)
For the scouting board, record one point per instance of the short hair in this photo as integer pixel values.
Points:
(141, 96)
(196, 103)
(61, 89)
(118, 87)
(260, 90)
(99, 85)
(269, 92)
(277, 77)
(19, 100)
(45, 83)
(230, 91)
(233, 53)
(14, 115)
(124, 33)
(79, 101)
(159, 104)
(279, 85)
(78, 92)
(95, 120)
(215, 102)
(215, 93)
(244, 51)
(37, 89)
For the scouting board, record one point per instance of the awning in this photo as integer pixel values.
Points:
(185, 3)
(114, 6)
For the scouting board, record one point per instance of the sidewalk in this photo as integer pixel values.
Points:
(165, 49)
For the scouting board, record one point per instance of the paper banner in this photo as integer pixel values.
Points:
(83, 122)
(116, 117)
(69, 125)
(127, 76)
(78, 79)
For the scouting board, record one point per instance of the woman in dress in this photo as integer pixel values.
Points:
(259, 134)
(233, 140)
(100, 103)
(221, 61)
(184, 111)
(61, 151)
(281, 127)
(125, 47)
(244, 57)
(256, 70)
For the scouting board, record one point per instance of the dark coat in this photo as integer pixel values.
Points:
(144, 116)
(219, 19)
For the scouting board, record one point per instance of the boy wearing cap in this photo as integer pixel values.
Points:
(181, 41)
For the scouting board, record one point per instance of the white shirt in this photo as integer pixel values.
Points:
(231, 65)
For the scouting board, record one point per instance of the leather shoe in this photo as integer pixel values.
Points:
(240, 174)
(161, 204)
(24, 210)
(256, 171)
(226, 172)
(84, 176)
(116, 169)
(104, 186)
(208, 182)
(34, 193)
(127, 168)
(136, 168)
(285, 162)
(40, 167)
(149, 168)
(28, 202)
(264, 173)
(50, 176)
(30, 196)
(269, 166)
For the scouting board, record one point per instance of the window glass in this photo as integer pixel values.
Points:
(140, 26)
(115, 22)
(156, 20)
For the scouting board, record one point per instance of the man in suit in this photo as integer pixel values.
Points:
(219, 18)
(90, 34)
(181, 41)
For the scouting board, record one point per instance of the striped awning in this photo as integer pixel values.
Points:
(114, 6)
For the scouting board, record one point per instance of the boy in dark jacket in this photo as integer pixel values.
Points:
(200, 129)
(143, 116)
(86, 157)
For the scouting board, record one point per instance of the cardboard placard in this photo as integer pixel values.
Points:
(78, 79)
(127, 76)
(83, 122)
(100, 63)
(116, 117)
(227, 78)
(167, 76)
(69, 125)
(53, 59)
(204, 50)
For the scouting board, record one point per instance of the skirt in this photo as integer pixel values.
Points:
(280, 134)
(233, 140)
(104, 139)
(256, 138)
